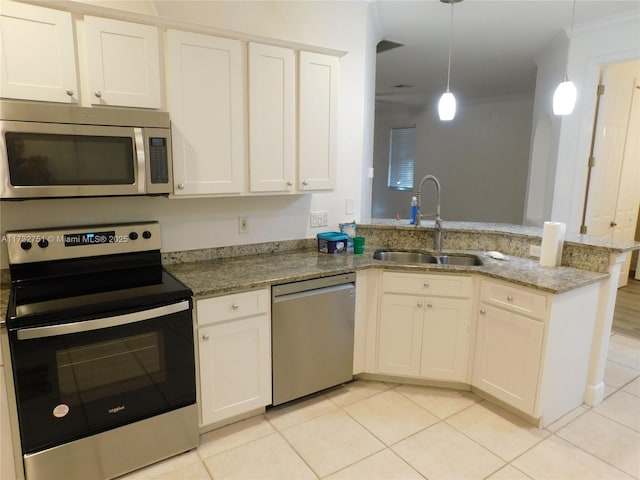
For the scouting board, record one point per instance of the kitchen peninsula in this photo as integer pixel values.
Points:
(569, 306)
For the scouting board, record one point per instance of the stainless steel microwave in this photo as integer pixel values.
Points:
(50, 151)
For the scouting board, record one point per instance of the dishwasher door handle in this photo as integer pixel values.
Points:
(316, 291)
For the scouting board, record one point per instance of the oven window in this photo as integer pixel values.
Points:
(43, 159)
(101, 370)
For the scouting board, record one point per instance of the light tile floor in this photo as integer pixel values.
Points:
(373, 430)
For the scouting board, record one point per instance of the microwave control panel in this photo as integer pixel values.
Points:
(159, 160)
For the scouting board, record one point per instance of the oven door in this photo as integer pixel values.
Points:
(80, 378)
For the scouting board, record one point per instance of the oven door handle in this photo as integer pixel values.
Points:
(88, 325)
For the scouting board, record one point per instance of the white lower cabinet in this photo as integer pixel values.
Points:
(507, 358)
(425, 336)
(533, 348)
(234, 355)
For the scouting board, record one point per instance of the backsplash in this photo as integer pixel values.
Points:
(187, 256)
(508, 239)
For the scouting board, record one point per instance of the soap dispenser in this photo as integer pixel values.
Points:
(414, 210)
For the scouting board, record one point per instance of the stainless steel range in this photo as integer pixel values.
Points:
(99, 338)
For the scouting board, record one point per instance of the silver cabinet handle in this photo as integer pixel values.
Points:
(89, 325)
(419, 304)
(482, 311)
(289, 183)
(181, 186)
(70, 92)
(429, 305)
(235, 306)
(304, 182)
(205, 337)
(509, 298)
(426, 284)
(98, 94)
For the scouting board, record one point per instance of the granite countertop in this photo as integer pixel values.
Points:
(218, 277)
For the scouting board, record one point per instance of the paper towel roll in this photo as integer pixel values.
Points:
(552, 241)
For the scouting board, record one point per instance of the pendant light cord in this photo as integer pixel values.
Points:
(450, 46)
(573, 13)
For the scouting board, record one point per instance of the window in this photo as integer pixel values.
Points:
(401, 152)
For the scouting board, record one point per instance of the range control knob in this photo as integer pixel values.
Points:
(146, 234)
(133, 236)
(25, 245)
(43, 243)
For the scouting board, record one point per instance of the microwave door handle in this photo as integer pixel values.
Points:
(89, 325)
(138, 135)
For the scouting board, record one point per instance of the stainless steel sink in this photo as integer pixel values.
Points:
(457, 259)
(404, 257)
(409, 257)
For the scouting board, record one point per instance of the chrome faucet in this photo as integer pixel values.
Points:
(437, 239)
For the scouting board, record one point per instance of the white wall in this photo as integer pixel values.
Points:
(611, 40)
(480, 159)
(201, 223)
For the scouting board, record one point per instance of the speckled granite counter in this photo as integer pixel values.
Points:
(219, 271)
(228, 275)
(580, 251)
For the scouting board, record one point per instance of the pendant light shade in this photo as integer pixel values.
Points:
(447, 103)
(447, 106)
(564, 98)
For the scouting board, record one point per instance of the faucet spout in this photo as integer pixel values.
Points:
(438, 231)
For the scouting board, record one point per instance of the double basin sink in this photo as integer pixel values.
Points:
(414, 257)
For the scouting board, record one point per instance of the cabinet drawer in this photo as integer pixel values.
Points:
(513, 298)
(419, 284)
(229, 307)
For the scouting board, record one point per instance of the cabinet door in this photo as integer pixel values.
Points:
(206, 102)
(318, 121)
(400, 334)
(37, 54)
(445, 338)
(272, 118)
(124, 63)
(235, 367)
(507, 357)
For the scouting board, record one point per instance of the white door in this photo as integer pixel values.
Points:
(614, 193)
(507, 357)
(37, 53)
(445, 338)
(318, 121)
(123, 59)
(235, 367)
(206, 102)
(272, 118)
(400, 334)
(628, 200)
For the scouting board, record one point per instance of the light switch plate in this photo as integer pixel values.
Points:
(351, 206)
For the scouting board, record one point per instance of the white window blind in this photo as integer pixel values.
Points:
(401, 154)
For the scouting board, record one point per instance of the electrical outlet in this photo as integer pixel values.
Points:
(319, 219)
(534, 251)
(243, 225)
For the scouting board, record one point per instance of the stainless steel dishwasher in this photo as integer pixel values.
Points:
(312, 335)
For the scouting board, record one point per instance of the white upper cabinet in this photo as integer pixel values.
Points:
(272, 118)
(123, 61)
(318, 121)
(38, 54)
(205, 93)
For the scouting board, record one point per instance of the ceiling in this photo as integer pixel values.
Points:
(495, 43)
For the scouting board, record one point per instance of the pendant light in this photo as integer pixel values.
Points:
(564, 98)
(447, 103)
